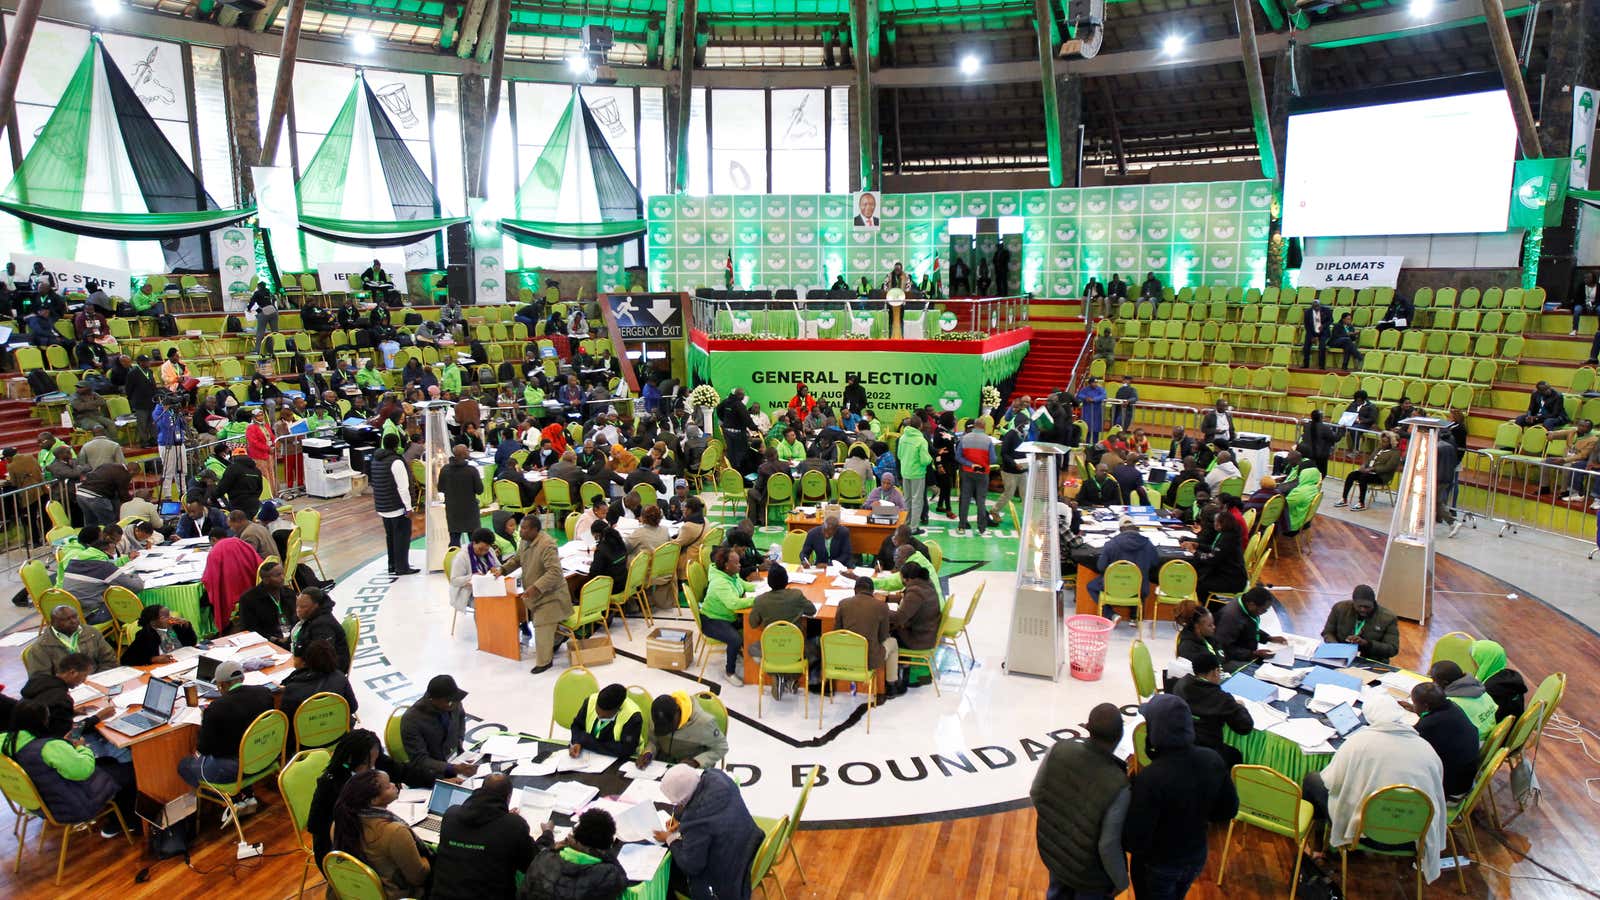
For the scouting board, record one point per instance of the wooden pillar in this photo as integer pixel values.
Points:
(244, 116)
(497, 67)
(1257, 87)
(1505, 58)
(685, 95)
(17, 42)
(287, 51)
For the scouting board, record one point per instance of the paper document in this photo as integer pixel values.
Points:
(1263, 715)
(1401, 680)
(189, 715)
(641, 861)
(84, 693)
(410, 813)
(639, 822)
(414, 795)
(834, 597)
(1327, 696)
(131, 696)
(115, 676)
(1303, 647)
(1310, 734)
(585, 761)
(19, 638)
(1279, 675)
(570, 795)
(802, 577)
(643, 791)
(509, 746)
(652, 772)
(488, 586)
(535, 769)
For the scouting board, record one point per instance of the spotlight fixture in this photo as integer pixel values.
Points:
(364, 43)
(1421, 8)
(105, 9)
(971, 65)
(578, 64)
(1173, 44)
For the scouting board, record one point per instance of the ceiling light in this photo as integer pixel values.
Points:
(105, 9)
(364, 43)
(1421, 8)
(1173, 44)
(971, 64)
(578, 64)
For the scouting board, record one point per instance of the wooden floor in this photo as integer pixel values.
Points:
(994, 856)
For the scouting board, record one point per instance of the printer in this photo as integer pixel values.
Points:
(882, 513)
(327, 465)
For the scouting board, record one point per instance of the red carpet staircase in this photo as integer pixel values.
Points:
(19, 427)
(1058, 337)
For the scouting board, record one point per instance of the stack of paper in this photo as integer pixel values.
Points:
(643, 791)
(586, 762)
(1263, 715)
(132, 695)
(1303, 647)
(409, 813)
(1279, 675)
(488, 586)
(114, 677)
(802, 577)
(177, 668)
(536, 769)
(640, 861)
(189, 715)
(639, 823)
(568, 796)
(84, 693)
(1327, 696)
(509, 746)
(1311, 735)
(651, 772)
(834, 597)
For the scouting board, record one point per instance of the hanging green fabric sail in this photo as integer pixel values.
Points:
(102, 168)
(577, 193)
(363, 186)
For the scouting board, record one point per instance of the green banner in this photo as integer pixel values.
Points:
(1538, 191)
(893, 381)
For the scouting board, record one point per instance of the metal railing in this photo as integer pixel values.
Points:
(24, 524)
(854, 317)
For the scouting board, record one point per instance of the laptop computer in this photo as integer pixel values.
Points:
(160, 695)
(1344, 719)
(444, 796)
(205, 671)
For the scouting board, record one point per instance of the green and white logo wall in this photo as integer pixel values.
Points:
(1188, 234)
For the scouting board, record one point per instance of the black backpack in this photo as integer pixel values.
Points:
(42, 382)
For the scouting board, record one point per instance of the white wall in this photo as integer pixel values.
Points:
(1496, 250)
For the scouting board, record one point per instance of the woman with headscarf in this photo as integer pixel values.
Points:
(160, 634)
(1307, 484)
(712, 836)
(1387, 752)
(364, 827)
(1505, 686)
(230, 571)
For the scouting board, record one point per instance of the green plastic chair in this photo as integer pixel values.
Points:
(792, 542)
(692, 595)
(848, 489)
(1183, 495)
(557, 496)
(1396, 814)
(813, 488)
(1549, 692)
(761, 866)
(573, 686)
(321, 721)
(638, 572)
(641, 699)
(1141, 747)
(730, 491)
(297, 784)
(1123, 586)
(956, 627)
(1175, 583)
(36, 580)
(392, 742)
(792, 825)
(1232, 486)
(593, 602)
(588, 492)
(783, 652)
(352, 637)
(1272, 802)
(260, 755)
(19, 790)
(647, 495)
(1144, 672)
(350, 878)
(844, 657)
(695, 577)
(1460, 813)
(780, 493)
(1457, 648)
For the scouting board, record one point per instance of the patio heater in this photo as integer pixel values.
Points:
(1034, 646)
(436, 452)
(1405, 583)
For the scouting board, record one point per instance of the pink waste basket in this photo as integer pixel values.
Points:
(1086, 646)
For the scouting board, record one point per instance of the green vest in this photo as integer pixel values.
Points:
(626, 714)
(1481, 710)
(47, 458)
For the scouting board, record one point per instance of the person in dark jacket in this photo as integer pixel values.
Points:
(1451, 734)
(582, 867)
(1081, 795)
(608, 722)
(1100, 489)
(1505, 686)
(827, 543)
(914, 624)
(54, 690)
(1317, 441)
(1196, 631)
(73, 784)
(610, 555)
(1129, 545)
(160, 632)
(1361, 621)
(1212, 708)
(1219, 564)
(317, 673)
(141, 391)
(461, 483)
(269, 606)
(483, 844)
(1185, 788)
(314, 610)
(1545, 407)
(1239, 633)
(356, 752)
(431, 731)
(240, 484)
(222, 726)
(199, 519)
(715, 837)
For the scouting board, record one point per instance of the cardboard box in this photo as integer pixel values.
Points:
(595, 650)
(17, 389)
(669, 648)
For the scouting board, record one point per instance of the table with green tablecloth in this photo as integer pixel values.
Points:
(183, 600)
(1261, 748)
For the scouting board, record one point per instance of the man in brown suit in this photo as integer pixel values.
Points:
(544, 589)
(868, 616)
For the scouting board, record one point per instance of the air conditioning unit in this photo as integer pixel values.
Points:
(596, 38)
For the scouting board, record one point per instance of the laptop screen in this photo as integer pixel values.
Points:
(206, 669)
(446, 795)
(159, 697)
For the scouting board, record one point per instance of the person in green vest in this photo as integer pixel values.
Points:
(912, 452)
(368, 378)
(533, 398)
(47, 454)
(608, 722)
(450, 379)
(236, 426)
(790, 449)
(1468, 693)
(146, 302)
(319, 419)
(892, 582)
(1307, 483)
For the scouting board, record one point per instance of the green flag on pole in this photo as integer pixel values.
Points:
(1538, 191)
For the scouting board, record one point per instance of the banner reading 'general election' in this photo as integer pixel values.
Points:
(892, 380)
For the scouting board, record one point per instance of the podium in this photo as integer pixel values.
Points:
(496, 618)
